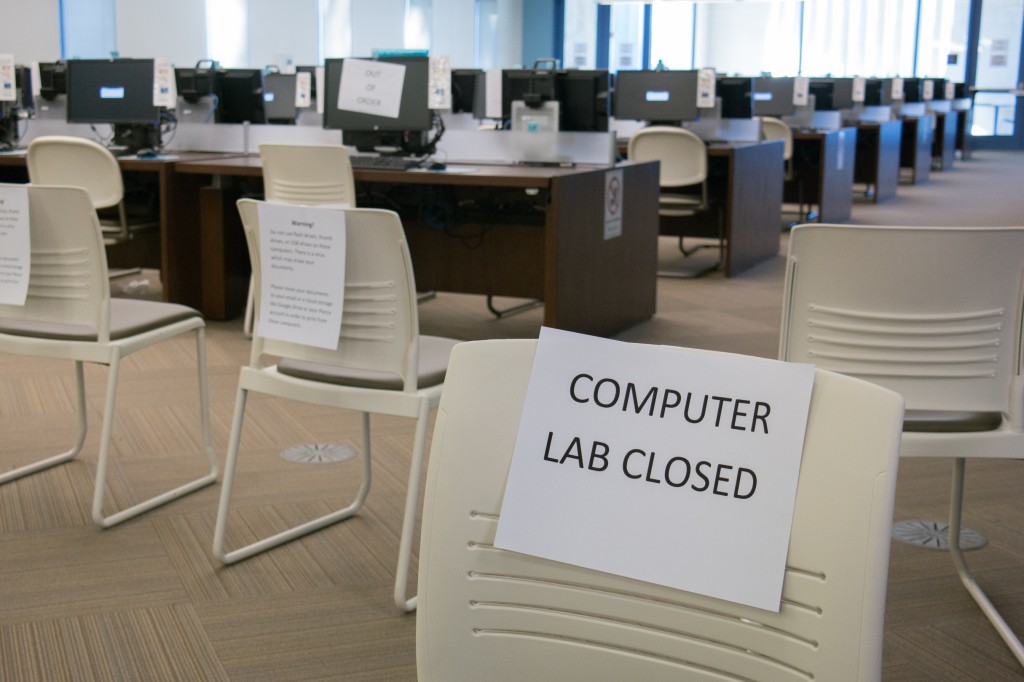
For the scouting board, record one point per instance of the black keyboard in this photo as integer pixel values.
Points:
(369, 162)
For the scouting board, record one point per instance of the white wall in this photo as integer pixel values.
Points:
(31, 30)
(377, 24)
(157, 28)
(454, 24)
(283, 32)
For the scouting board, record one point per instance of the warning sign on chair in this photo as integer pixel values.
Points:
(670, 466)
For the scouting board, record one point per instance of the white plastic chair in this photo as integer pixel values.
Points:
(933, 313)
(684, 163)
(77, 162)
(382, 365)
(305, 174)
(777, 129)
(69, 314)
(490, 614)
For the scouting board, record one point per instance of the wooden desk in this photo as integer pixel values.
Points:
(916, 146)
(501, 230)
(823, 166)
(174, 249)
(745, 180)
(878, 158)
(944, 140)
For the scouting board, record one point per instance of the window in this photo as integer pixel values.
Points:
(859, 37)
(672, 34)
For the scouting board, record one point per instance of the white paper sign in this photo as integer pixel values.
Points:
(371, 87)
(613, 194)
(303, 89)
(15, 245)
(706, 88)
(950, 90)
(165, 92)
(928, 90)
(439, 94)
(8, 85)
(302, 274)
(858, 89)
(897, 88)
(670, 466)
(801, 90)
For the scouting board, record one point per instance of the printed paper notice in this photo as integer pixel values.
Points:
(801, 91)
(706, 88)
(670, 466)
(15, 245)
(371, 87)
(858, 89)
(8, 91)
(302, 274)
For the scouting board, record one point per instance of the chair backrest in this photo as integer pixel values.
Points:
(307, 174)
(777, 129)
(68, 266)
(933, 313)
(379, 323)
(490, 614)
(76, 162)
(683, 156)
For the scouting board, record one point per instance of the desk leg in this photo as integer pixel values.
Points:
(224, 259)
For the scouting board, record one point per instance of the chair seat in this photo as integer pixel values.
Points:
(128, 317)
(950, 421)
(433, 363)
(680, 205)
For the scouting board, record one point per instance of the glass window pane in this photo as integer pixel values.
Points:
(859, 37)
(749, 38)
(942, 39)
(626, 48)
(227, 29)
(88, 27)
(672, 34)
(580, 47)
(999, 43)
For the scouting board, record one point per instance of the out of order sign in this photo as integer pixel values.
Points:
(670, 466)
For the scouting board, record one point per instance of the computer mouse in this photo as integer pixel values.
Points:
(437, 166)
(146, 154)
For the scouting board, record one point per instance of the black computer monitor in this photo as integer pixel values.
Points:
(279, 98)
(938, 88)
(240, 96)
(773, 96)
(406, 132)
(119, 92)
(961, 91)
(877, 91)
(584, 101)
(913, 90)
(194, 82)
(53, 79)
(464, 89)
(842, 93)
(737, 96)
(656, 96)
(823, 92)
(530, 86)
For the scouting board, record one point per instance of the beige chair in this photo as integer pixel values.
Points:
(934, 313)
(69, 315)
(684, 165)
(382, 365)
(777, 129)
(490, 614)
(78, 162)
(305, 174)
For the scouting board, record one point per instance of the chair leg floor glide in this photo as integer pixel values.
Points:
(107, 428)
(67, 455)
(963, 571)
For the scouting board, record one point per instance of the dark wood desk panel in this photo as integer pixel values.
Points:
(944, 140)
(823, 166)
(916, 146)
(501, 230)
(745, 182)
(878, 158)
